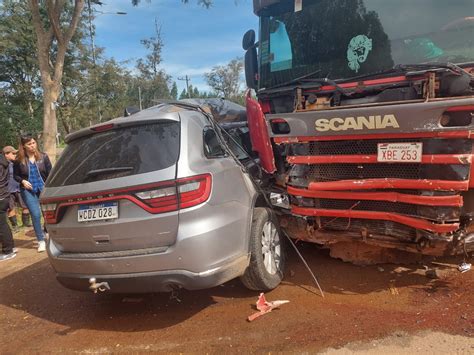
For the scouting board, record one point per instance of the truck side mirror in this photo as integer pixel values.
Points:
(251, 69)
(248, 40)
(250, 60)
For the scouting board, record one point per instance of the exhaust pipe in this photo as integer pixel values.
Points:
(101, 286)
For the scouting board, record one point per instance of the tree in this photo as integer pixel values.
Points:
(19, 73)
(225, 79)
(54, 28)
(53, 34)
(174, 91)
(183, 95)
(149, 68)
(154, 82)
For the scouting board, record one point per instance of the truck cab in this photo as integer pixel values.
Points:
(363, 116)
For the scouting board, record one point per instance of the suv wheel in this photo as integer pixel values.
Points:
(267, 253)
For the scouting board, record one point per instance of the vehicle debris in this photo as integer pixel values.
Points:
(464, 267)
(264, 306)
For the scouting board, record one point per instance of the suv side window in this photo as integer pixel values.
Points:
(212, 146)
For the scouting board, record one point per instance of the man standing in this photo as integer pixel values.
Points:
(15, 197)
(6, 236)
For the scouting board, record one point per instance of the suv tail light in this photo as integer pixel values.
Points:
(154, 198)
(49, 212)
(186, 192)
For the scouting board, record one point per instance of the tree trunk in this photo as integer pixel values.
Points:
(50, 123)
(51, 77)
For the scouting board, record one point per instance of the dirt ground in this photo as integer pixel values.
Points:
(372, 309)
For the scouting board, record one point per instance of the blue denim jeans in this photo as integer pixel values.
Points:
(32, 202)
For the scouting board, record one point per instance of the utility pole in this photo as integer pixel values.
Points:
(188, 79)
(140, 97)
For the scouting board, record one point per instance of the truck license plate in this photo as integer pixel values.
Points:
(107, 210)
(399, 152)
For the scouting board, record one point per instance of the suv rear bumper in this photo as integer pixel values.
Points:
(159, 281)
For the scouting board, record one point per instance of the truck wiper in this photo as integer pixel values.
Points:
(411, 68)
(108, 170)
(428, 66)
(306, 79)
(297, 80)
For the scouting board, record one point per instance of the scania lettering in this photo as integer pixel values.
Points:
(363, 117)
(356, 123)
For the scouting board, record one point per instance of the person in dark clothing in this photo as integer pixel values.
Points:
(30, 170)
(15, 197)
(5, 232)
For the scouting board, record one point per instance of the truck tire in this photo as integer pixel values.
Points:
(267, 252)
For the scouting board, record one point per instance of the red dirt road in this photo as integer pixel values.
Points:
(362, 303)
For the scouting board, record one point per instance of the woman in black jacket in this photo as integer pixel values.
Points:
(31, 169)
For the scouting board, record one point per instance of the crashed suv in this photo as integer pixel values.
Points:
(155, 202)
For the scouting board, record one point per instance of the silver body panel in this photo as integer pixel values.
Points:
(197, 247)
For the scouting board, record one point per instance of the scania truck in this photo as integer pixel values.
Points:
(364, 120)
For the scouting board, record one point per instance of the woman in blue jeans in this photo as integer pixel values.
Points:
(31, 169)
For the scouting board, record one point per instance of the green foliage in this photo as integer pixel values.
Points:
(154, 82)
(194, 93)
(225, 79)
(18, 68)
(183, 95)
(93, 88)
(174, 91)
(13, 121)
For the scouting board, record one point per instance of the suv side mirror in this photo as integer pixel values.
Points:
(250, 60)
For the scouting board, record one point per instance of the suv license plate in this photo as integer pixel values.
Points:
(108, 210)
(399, 152)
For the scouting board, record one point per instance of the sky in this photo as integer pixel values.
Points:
(195, 39)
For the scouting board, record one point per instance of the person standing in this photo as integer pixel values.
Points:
(15, 197)
(30, 170)
(6, 236)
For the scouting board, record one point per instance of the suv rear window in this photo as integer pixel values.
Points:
(117, 153)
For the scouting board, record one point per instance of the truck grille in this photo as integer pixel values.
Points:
(301, 175)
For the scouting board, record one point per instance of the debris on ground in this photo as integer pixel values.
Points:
(265, 307)
(432, 274)
(463, 267)
(393, 289)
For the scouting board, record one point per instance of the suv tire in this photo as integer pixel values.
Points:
(267, 252)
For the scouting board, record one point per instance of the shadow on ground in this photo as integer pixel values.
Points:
(35, 290)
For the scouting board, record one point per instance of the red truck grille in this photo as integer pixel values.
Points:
(341, 183)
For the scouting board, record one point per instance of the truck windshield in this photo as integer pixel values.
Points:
(340, 39)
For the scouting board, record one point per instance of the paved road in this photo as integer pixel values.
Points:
(362, 305)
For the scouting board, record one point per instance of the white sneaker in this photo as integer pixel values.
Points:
(41, 246)
(4, 257)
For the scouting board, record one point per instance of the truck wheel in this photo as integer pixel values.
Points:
(267, 253)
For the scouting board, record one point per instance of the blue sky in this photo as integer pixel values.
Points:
(195, 39)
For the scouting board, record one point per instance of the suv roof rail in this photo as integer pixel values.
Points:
(187, 105)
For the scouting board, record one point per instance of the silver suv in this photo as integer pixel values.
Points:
(158, 201)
